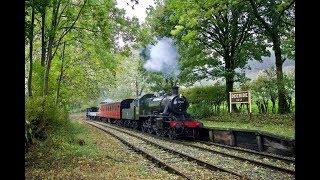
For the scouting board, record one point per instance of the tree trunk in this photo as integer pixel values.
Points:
(43, 42)
(258, 105)
(283, 105)
(141, 89)
(289, 102)
(229, 66)
(50, 46)
(30, 54)
(61, 73)
(48, 66)
(229, 88)
(137, 88)
(265, 103)
(273, 104)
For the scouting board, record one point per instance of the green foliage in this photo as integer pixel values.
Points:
(208, 94)
(264, 89)
(129, 80)
(201, 110)
(90, 29)
(205, 101)
(68, 141)
(214, 37)
(41, 117)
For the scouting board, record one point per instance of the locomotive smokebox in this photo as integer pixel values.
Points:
(175, 90)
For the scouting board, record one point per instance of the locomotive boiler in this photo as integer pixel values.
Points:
(166, 115)
(174, 104)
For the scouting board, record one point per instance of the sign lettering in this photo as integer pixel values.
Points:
(240, 97)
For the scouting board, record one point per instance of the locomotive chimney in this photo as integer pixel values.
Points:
(175, 90)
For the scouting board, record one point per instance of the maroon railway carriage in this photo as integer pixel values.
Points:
(112, 111)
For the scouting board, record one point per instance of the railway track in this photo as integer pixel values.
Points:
(276, 163)
(243, 163)
(179, 163)
(249, 151)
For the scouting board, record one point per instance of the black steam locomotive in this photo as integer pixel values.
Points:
(164, 115)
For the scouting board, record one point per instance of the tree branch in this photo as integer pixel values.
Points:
(244, 32)
(72, 25)
(59, 18)
(256, 14)
(75, 27)
(283, 10)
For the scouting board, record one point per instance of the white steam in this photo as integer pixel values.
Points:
(163, 58)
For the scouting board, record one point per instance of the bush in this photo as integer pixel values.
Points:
(42, 116)
(205, 101)
(200, 110)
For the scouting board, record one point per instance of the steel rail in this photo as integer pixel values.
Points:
(173, 151)
(270, 166)
(282, 158)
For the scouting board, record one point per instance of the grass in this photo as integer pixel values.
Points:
(281, 125)
(79, 151)
(280, 130)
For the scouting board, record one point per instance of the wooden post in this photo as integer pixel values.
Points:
(250, 111)
(233, 139)
(211, 135)
(259, 142)
(249, 102)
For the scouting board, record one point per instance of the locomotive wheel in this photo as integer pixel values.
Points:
(159, 132)
(195, 134)
(143, 129)
(172, 134)
(150, 130)
(134, 125)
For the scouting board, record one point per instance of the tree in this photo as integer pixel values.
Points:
(289, 81)
(30, 37)
(77, 73)
(61, 73)
(53, 40)
(260, 93)
(271, 85)
(276, 18)
(215, 38)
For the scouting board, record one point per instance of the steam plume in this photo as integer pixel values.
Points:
(163, 58)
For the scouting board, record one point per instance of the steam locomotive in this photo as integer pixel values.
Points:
(163, 115)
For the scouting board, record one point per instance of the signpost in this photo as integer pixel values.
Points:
(240, 97)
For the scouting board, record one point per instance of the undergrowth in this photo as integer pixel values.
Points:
(63, 143)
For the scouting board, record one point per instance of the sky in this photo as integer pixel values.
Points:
(266, 63)
(139, 9)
